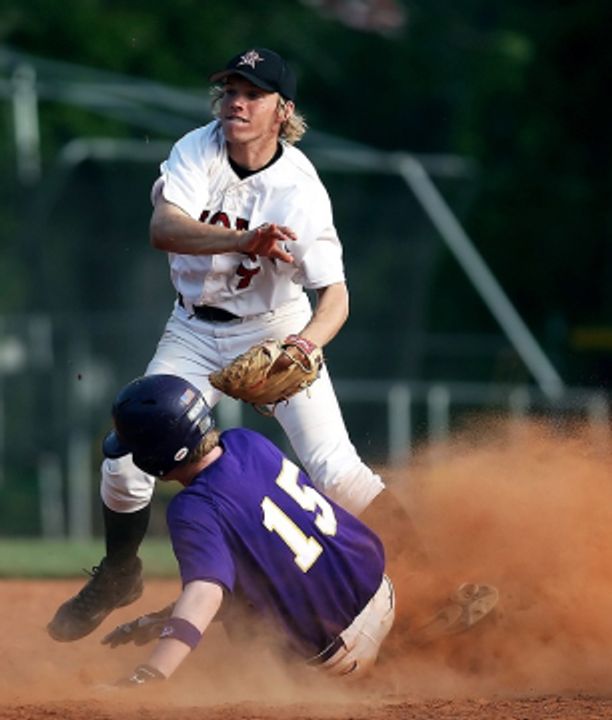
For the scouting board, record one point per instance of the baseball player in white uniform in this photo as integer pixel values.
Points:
(248, 228)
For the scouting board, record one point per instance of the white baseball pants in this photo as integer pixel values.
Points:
(312, 420)
(364, 636)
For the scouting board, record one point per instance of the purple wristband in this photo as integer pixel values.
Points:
(180, 629)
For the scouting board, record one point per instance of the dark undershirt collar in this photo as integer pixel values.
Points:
(243, 172)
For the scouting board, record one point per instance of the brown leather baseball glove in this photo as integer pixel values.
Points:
(271, 371)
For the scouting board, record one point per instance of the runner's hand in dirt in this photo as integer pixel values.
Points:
(140, 631)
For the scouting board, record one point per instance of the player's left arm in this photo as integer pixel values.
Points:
(192, 614)
(330, 314)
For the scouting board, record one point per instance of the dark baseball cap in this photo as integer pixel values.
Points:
(264, 68)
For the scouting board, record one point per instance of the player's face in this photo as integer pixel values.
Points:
(248, 113)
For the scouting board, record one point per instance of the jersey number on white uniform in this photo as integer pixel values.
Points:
(246, 274)
(305, 549)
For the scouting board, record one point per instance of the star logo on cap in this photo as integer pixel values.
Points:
(250, 58)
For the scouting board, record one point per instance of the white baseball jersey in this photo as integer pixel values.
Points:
(198, 178)
(268, 296)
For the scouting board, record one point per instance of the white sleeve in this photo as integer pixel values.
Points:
(321, 265)
(185, 175)
(318, 252)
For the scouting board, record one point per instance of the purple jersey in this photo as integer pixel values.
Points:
(254, 523)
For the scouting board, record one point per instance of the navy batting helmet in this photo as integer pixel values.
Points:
(160, 419)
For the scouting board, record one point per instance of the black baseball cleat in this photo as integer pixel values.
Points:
(110, 587)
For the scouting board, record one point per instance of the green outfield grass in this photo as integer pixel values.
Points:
(32, 558)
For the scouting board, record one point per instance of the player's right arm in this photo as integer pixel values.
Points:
(197, 605)
(173, 230)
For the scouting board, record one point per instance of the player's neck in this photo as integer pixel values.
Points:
(253, 157)
(210, 457)
(244, 172)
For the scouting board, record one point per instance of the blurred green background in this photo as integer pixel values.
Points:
(504, 105)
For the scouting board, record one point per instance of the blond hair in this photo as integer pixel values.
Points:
(292, 129)
(207, 443)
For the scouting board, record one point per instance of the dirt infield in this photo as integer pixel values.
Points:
(530, 512)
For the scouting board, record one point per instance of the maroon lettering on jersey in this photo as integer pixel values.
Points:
(220, 218)
(246, 275)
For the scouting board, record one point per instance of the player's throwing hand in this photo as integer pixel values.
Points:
(266, 240)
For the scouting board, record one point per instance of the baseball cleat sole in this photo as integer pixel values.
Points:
(468, 605)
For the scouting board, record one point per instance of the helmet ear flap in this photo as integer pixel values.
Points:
(147, 464)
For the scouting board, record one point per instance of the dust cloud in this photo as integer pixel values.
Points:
(528, 508)
(525, 507)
